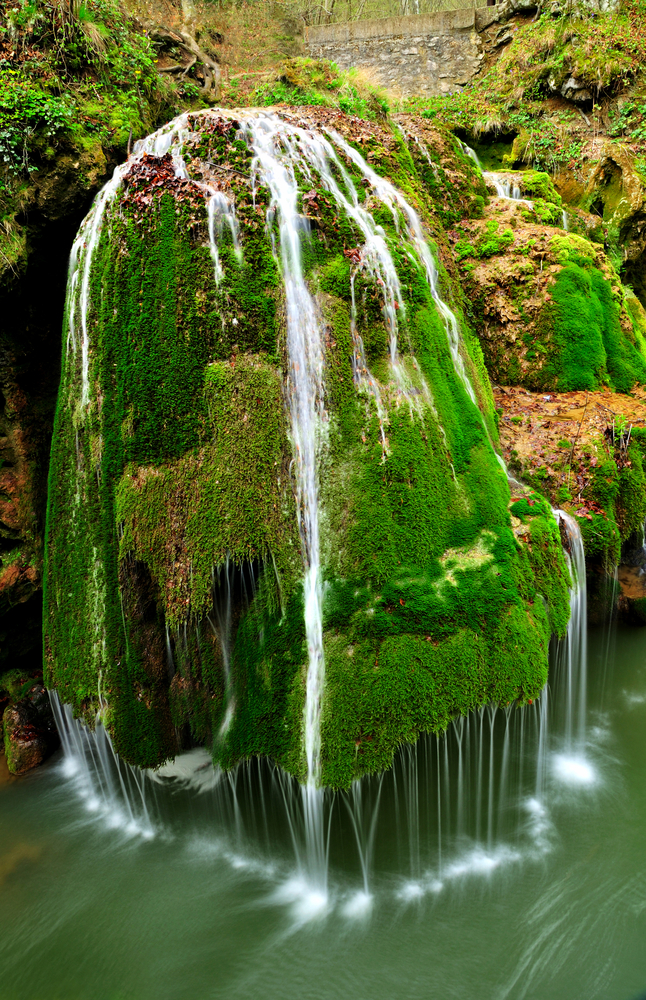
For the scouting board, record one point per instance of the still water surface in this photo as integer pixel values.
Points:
(509, 885)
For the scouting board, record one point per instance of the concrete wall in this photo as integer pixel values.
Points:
(419, 54)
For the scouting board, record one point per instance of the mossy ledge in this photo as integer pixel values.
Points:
(172, 478)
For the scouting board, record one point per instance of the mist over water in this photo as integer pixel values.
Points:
(453, 875)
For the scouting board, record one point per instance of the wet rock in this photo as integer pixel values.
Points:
(29, 731)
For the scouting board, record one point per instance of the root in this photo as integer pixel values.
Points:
(181, 39)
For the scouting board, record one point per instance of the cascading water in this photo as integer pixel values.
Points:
(121, 795)
(572, 657)
(274, 167)
(390, 196)
(503, 185)
(463, 804)
(507, 188)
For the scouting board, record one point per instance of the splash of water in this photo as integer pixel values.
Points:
(116, 792)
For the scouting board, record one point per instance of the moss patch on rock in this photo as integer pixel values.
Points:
(548, 305)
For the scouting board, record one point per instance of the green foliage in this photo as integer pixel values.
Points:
(30, 119)
(79, 74)
(315, 82)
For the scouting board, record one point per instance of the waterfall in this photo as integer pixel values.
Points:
(574, 648)
(115, 791)
(571, 765)
(464, 805)
(284, 155)
(504, 187)
(285, 158)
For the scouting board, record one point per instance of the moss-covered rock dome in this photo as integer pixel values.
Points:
(277, 521)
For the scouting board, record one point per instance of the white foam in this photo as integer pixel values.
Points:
(573, 770)
(481, 862)
(210, 849)
(410, 891)
(358, 906)
(634, 698)
(70, 767)
(308, 902)
(539, 825)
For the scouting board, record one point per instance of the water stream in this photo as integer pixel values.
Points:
(477, 876)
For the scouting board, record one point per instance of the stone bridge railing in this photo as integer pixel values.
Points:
(421, 54)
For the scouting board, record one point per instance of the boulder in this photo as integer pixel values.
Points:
(29, 731)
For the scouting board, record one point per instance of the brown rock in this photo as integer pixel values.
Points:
(29, 733)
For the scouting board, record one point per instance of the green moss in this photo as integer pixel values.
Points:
(524, 508)
(15, 684)
(489, 243)
(193, 495)
(537, 184)
(386, 693)
(544, 212)
(589, 347)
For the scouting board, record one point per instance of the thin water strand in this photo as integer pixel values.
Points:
(274, 166)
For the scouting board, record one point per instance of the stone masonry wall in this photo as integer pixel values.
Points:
(419, 54)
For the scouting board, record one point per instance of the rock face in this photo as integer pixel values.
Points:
(29, 731)
(31, 300)
(277, 522)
